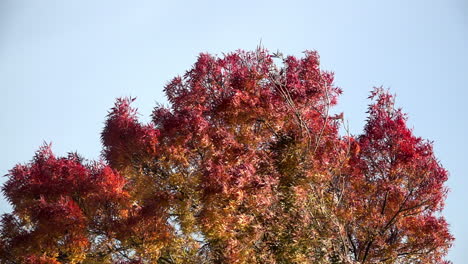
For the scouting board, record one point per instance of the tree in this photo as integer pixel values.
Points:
(247, 165)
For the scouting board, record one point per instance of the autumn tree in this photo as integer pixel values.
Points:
(246, 165)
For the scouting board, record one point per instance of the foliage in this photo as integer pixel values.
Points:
(246, 166)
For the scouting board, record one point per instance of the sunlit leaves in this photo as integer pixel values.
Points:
(246, 165)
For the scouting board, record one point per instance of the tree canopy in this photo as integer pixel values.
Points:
(246, 165)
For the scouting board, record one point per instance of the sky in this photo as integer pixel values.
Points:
(63, 63)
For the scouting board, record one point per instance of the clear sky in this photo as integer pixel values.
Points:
(62, 64)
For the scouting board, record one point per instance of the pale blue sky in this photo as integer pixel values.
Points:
(62, 64)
